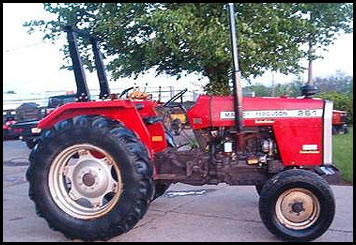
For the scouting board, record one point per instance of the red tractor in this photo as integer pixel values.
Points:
(340, 122)
(99, 164)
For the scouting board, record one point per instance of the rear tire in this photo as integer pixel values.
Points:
(335, 130)
(30, 143)
(346, 129)
(114, 190)
(343, 129)
(160, 190)
(297, 205)
(259, 189)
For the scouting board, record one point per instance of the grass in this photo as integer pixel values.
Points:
(343, 154)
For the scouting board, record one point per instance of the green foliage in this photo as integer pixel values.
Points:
(259, 89)
(174, 38)
(343, 154)
(337, 88)
(342, 101)
(325, 22)
(289, 89)
(338, 82)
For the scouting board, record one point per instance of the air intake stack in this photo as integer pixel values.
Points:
(237, 89)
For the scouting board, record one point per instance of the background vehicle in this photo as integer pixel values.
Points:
(26, 128)
(58, 100)
(98, 164)
(7, 132)
(26, 131)
(340, 122)
(28, 112)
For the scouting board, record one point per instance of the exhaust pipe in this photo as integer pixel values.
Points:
(80, 80)
(237, 90)
(98, 57)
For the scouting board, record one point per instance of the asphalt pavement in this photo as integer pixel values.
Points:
(219, 213)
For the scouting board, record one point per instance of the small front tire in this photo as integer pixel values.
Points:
(297, 205)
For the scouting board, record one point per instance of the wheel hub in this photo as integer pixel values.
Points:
(297, 208)
(88, 179)
(84, 181)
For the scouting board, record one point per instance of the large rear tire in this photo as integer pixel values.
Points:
(160, 189)
(90, 178)
(346, 129)
(297, 205)
(259, 189)
(30, 143)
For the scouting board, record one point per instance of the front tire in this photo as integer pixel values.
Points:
(90, 178)
(297, 205)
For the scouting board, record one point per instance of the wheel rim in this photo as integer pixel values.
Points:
(297, 208)
(85, 181)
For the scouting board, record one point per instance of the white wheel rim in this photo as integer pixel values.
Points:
(83, 185)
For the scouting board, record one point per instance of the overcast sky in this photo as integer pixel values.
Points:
(32, 66)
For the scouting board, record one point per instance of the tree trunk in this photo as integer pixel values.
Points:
(218, 80)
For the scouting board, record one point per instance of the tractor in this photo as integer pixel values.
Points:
(339, 122)
(98, 165)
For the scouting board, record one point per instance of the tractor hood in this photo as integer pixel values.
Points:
(292, 120)
(218, 111)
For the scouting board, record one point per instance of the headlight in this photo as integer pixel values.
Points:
(35, 130)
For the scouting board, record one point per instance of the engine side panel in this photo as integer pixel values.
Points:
(297, 123)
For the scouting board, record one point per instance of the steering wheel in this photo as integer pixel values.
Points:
(175, 97)
(125, 91)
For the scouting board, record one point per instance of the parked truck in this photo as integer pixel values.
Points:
(26, 129)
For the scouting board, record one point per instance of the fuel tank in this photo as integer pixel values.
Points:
(297, 123)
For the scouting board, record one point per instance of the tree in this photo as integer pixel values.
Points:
(341, 101)
(192, 37)
(291, 89)
(259, 90)
(325, 21)
(339, 82)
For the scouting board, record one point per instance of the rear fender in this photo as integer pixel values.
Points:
(123, 111)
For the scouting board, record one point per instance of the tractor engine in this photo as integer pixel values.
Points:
(257, 145)
(279, 133)
(218, 159)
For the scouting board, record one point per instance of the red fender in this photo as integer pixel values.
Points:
(121, 110)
